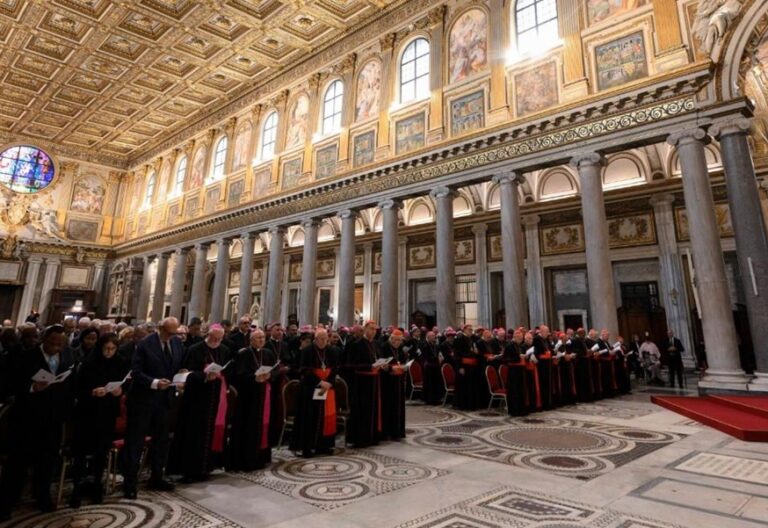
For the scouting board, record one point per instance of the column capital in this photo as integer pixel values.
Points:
(181, 251)
(276, 230)
(57, 260)
(581, 159)
(442, 192)
(509, 177)
(202, 245)
(35, 259)
(368, 246)
(348, 213)
(390, 203)
(688, 135)
(658, 200)
(480, 229)
(730, 125)
(248, 235)
(310, 222)
(163, 255)
(531, 220)
(223, 241)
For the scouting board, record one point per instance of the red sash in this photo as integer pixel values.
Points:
(532, 367)
(220, 423)
(611, 366)
(329, 412)
(471, 362)
(264, 444)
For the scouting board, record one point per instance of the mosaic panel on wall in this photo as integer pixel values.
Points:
(468, 113)
(368, 91)
(88, 195)
(325, 162)
(468, 53)
(262, 182)
(198, 170)
(240, 151)
(236, 189)
(410, 133)
(536, 89)
(298, 122)
(212, 197)
(291, 173)
(621, 61)
(363, 148)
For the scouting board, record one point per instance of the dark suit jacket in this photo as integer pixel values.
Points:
(148, 363)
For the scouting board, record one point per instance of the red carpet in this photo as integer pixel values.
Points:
(745, 417)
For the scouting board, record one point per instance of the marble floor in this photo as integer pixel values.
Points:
(616, 463)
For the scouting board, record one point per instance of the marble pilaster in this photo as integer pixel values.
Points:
(445, 257)
(711, 282)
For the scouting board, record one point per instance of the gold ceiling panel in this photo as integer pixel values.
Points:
(121, 77)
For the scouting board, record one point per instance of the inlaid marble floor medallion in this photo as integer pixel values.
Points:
(334, 481)
(149, 511)
(512, 507)
(564, 446)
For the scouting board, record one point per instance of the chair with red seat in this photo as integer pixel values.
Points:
(497, 390)
(449, 380)
(416, 373)
(118, 444)
(504, 375)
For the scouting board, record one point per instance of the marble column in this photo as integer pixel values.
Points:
(307, 314)
(717, 323)
(403, 308)
(602, 298)
(245, 294)
(220, 280)
(481, 275)
(389, 264)
(534, 273)
(750, 234)
(272, 303)
(142, 304)
(285, 299)
(101, 298)
(179, 278)
(367, 280)
(30, 285)
(197, 295)
(161, 275)
(346, 307)
(49, 283)
(512, 249)
(673, 288)
(445, 257)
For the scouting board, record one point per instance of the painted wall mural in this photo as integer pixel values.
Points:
(212, 197)
(88, 195)
(722, 215)
(599, 10)
(368, 91)
(198, 170)
(468, 113)
(174, 211)
(363, 148)
(83, 230)
(468, 46)
(240, 152)
(621, 61)
(536, 89)
(562, 239)
(298, 122)
(262, 182)
(236, 189)
(410, 133)
(291, 173)
(325, 162)
(636, 230)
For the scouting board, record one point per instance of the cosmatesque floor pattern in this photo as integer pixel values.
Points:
(621, 463)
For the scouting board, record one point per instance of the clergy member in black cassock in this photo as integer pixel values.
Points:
(365, 423)
(518, 395)
(249, 447)
(544, 367)
(392, 378)
(621, 367)
(36, 418)
(594, 364)
(434, 390)
(582, 363)
(314, 431)
(532, 374)
(566, 369)
(288, 369)
(607, 360)
(199, 439)
(469, 374)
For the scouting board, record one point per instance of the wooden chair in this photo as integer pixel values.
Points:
(416, 373)
(290, 404)
(449, 381)
(498, 392)
(342, 404)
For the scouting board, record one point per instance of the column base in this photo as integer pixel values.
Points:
(759, 383)
(723, 381)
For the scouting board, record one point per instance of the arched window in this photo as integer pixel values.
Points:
(181, 172)
(332, 103)
(536, 24)
(219, 157)
(269, 136)
(414, 71)
(150, 192)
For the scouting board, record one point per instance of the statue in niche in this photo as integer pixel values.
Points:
(712, 20)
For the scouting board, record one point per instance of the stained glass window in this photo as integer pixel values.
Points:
(25, 169)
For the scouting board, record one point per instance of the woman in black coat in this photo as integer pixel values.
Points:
(95, 414)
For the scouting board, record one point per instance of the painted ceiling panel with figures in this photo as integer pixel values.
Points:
(119, 77)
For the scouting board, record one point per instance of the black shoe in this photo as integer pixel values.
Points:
(129, 493)
(161, 485)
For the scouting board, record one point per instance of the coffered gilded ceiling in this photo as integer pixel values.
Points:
(120, 77)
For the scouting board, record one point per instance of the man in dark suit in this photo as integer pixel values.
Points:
(240, 337)
(157, 359)
(37, 418)
(673, 349)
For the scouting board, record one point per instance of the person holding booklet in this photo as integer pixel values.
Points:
(392, 376)
(365, 389)
(252, 373)
(314, 431)
(99, 388)
(199, 439)
(43, 398)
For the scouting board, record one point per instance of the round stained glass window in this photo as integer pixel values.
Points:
(25, 169)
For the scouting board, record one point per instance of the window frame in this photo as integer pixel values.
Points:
(331, 124)
(403, 63)
(535, 29)
(178, 183)
(273, 129)
(215, 164)
(149, 191)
